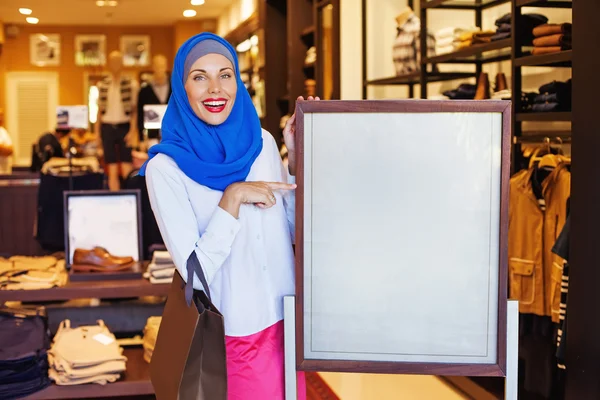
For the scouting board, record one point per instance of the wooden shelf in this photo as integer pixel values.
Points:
(544, 116)
(475, 53)
(86, 290)
(414, 79)
(135, 381)
(463, 4)
(562, 59)
(545, 3)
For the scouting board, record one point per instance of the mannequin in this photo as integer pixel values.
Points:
(157, 91)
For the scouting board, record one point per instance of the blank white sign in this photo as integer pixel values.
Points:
(401, 231)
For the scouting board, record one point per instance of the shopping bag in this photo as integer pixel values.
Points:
(189, 359)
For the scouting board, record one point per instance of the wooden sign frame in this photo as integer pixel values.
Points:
(405, 106)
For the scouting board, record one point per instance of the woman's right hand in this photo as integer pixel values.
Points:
(258, 193)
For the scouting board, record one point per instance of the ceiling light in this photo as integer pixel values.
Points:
(100, 3)
(25, 11)
(189, 13)
(111, 3)
(197, 2)
(32, 20)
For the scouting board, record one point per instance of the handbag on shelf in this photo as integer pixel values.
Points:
(189, 360)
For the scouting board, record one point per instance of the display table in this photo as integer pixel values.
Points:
(92, 289)
(136, 379)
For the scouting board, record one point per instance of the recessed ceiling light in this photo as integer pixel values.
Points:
(100, 3)
(32, 20)
(25, 11)
(197, 2)
(111, 3)
(189, 13)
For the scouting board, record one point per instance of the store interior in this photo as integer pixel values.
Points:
(55, 56)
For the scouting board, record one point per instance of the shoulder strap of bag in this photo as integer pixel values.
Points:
(193, 265)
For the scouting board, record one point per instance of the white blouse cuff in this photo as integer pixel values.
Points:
(223, 225)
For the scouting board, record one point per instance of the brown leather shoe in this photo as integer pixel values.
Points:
(483, 87)
(99, 259)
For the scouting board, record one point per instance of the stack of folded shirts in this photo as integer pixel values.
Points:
(87, 354)
(444, 38)
(525, 24)
(552, 38)
(465, 38)
(150, 335)
(23, 354)
(161, 268)
(554, 96)
(505, 94)
(31, 273)
(464, 92)
(482, 37)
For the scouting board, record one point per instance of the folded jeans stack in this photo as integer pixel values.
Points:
(150, 335)
(554, 96)
(465, 91)
(525, 25)
(32, 273)
(552, 38)
(23, 354)
(444, 38)
(161, 269)
(86, 354)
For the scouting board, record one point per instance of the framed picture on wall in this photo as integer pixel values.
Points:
(136, 50)
(44, 49)
(90, 50)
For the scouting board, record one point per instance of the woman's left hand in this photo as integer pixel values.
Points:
(289, 137)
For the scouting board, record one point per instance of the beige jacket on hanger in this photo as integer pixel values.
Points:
(534, 271)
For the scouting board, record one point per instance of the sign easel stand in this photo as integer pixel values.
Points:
(512, 349)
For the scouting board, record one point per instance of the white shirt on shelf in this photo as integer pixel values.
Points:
(5, 161)
(249, 261)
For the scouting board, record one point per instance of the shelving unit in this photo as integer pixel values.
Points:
(522, 58)
(136, 379)
(544, 116)
(82, 290)
(500, 50)
(463, 4)
(477, 55)
(562, 59)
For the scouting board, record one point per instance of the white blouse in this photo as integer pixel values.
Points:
(249, 261)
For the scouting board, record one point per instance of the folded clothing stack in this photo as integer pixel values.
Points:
(465, 38)
(86, 354)
(161, 269)
(32, 273)
(150, 335)
(553, 96)
(525, 25)
(505, 94)
(552, 38)
(444, 38)
(23, 355)
(465, 91)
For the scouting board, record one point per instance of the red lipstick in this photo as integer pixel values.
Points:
(215, 105)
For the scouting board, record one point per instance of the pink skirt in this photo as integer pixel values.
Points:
(255, 366)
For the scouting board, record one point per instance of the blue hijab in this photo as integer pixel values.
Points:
(212, 155)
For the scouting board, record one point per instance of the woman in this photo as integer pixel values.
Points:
(219, 192)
